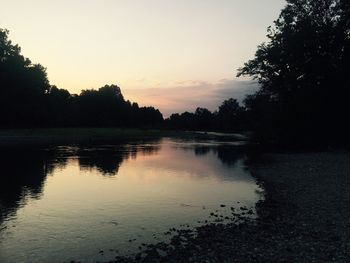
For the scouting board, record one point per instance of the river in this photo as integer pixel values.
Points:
(92, 203)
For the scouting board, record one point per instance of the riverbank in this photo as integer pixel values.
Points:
(304, 217)
(64, 136)
(61, 136)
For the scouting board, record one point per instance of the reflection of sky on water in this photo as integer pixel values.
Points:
(99, 197)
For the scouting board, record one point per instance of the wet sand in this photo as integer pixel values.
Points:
(304, 217)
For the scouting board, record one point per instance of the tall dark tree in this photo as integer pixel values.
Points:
(23, 86)
(303, 71)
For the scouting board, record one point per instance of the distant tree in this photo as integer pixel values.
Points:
(228, 118)
(230, 115)
(107, 107)
(59, 102)
(183, 121)
(203, 119)
(148, 116)
(303, 71)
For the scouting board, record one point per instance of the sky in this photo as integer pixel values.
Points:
(175, 55)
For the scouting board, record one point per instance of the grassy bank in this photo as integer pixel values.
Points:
(77, 135)
(56, 136)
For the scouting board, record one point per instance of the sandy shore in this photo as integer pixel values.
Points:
(305, 217)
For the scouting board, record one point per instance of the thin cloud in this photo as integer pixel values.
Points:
(188, 95)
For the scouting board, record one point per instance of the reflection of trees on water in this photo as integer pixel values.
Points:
(202, 150)
(227, 154)
(108, 159)
(24, 171)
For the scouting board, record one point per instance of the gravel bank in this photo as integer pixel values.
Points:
(305, 217)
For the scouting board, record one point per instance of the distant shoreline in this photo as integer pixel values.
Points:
(59, 136)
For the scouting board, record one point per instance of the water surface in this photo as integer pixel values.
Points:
(94, 203)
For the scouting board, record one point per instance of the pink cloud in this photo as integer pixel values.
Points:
(188, 95)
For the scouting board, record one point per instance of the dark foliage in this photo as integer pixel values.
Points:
(304, 71)
(23, 87)
(28, 100)
(230, 117)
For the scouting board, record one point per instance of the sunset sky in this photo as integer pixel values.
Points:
(175, 55)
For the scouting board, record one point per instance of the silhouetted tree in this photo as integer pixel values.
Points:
(23, 86)
(230, 117)
(28, 100)
(183, 121)
(59, 107)
(203, 119)
(303, 71)
(107, 107)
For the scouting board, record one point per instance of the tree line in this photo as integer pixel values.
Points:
(230, 117)
(303, 70)
(28, 100)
